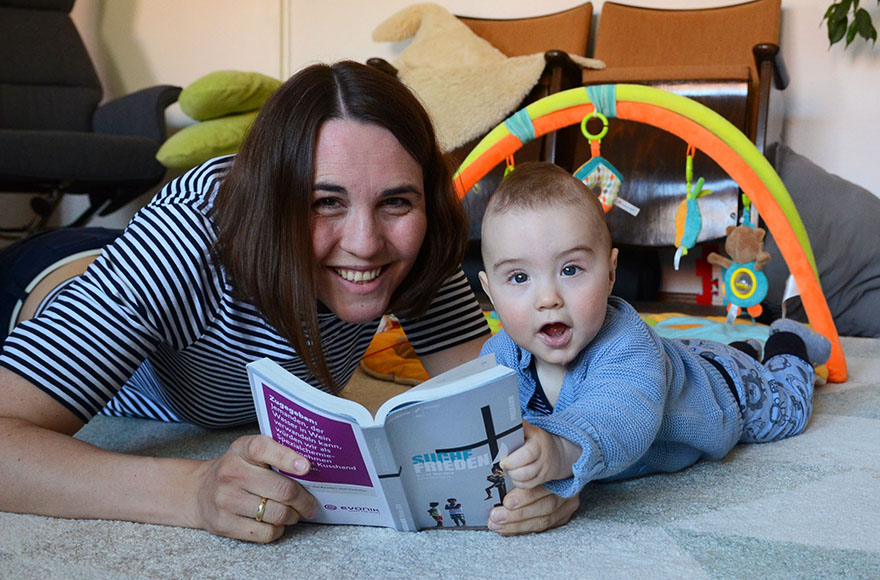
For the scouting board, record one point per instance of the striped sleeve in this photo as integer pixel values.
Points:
(454, 318)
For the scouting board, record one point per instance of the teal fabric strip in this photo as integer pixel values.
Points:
(520, 125)
(604, 98)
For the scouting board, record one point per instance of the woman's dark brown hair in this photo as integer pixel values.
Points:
(262, 210)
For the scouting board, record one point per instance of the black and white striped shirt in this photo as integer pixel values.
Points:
(154, 315)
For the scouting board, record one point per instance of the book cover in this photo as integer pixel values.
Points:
(428, 459)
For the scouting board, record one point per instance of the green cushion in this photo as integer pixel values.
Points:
(198, 143)
(226, 92)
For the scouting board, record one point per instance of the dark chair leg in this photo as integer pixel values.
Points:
(44, 207)
(85, 216)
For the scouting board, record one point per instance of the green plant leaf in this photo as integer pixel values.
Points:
(851, 33)
(836, 29)
(841, 9)
(864, 25)
(829, 12)
(839, 25)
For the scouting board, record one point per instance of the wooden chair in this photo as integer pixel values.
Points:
(556, 35)
(728, 59)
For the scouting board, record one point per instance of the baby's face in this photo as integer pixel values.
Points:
(549, 275)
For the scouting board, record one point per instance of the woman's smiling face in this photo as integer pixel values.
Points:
(368, 217)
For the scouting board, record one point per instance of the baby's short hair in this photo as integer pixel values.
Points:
(537, 184)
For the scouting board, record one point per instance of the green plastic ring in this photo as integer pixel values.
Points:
(587, 134)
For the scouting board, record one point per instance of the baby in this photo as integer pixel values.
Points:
(603, 396)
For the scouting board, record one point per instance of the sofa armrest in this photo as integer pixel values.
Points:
(141, 113)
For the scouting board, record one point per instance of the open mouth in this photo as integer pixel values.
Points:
(555, 334)
(554, 329)
(358, 276)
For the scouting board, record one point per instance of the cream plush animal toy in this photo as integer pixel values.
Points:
(466, 84)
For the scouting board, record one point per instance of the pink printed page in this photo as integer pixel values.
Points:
(330, 445)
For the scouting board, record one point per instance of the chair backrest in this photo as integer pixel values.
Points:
(705, 54)
(568, 31)
(47, 80)
(663, 40)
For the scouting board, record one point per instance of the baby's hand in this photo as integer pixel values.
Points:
(543, 457)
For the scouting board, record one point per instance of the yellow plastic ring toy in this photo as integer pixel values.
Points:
(743, 283)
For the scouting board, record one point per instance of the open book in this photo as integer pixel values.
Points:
(429, 458)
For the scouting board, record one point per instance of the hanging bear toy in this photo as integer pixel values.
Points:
(744, 282)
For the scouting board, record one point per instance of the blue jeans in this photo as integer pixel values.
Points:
(22, 263)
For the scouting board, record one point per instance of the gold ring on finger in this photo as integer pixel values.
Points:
(262, 509)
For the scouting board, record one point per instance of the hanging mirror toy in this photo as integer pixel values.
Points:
(599, 173)
(745, 285)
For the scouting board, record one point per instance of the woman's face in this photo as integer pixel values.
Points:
(368, 217)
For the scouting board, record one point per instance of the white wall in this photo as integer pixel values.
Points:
(831, 104)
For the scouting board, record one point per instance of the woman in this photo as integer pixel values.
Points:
(337, 209)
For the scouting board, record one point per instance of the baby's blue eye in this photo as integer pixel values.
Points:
(570, 270)
(519, 278)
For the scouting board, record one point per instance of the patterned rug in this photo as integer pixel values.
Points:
(807, 507)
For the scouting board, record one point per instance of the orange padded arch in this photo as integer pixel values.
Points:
(793, 243)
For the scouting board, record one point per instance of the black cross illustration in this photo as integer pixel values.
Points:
(492, 441)
(491, 437)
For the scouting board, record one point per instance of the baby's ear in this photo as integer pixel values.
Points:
(612, 269)
(484, 282)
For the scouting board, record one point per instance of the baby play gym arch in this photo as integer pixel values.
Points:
(700, 127)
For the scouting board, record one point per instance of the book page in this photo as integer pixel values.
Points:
(462, 371)
(289, 383)
(331, 445)
(343, 477)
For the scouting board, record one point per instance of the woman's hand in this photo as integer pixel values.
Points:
(531, 507)
(44, 470)
(532, 510)
(233, 485)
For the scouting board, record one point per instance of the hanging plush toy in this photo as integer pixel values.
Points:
(744, 283)
(598, 171)
(688, 220)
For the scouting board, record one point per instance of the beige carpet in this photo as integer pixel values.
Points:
(807, 507)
